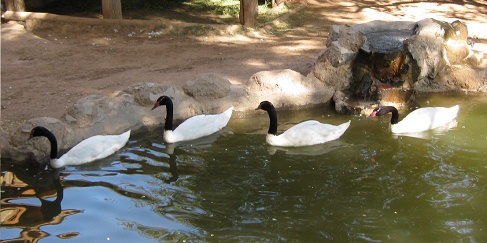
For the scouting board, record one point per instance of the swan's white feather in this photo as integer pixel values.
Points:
(307, 133)
(91, 149)
(425, 118)
(198, 126)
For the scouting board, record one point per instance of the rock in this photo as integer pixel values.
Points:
(336, 77)
(4, 143)
(145, 94)
(475, 58)
(338, 55)
(347, 105)
(287, 88)
(287, 81)
(456, 53)
(36, 149)
(346, 37)
(419, 55)
(397, 97)
(428, 55)
(460, 31)
(207, 86)
(342, 45)
(95, 108)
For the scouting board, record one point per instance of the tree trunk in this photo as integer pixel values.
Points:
(112, 9)
(15, 5)
(248, 12)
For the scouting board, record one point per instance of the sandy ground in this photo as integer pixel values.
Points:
(45, 72)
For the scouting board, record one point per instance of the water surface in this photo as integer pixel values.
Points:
(369, 185)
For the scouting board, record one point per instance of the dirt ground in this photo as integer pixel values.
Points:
(45, 71)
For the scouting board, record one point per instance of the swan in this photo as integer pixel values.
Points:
(419, 120)
(303, 134)
(88, 150)
(194, 127)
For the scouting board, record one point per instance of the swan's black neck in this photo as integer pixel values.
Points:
(59, 190)
(273, 121)
(169, 114)
(395, 115)
(51, 209)
(386, 109)
(269, 107)
(42, 131)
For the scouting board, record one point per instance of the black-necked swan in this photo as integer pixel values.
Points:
(419, 120)
(303, 134)
(194, 127)
(88, 150)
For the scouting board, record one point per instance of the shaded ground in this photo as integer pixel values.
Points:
(44, 72)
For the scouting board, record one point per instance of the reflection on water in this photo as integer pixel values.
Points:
(369, 185)
(319, 149)
(27, 183)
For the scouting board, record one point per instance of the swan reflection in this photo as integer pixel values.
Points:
(51, 209)
(202, 142)
(19, 184)
(319, 149)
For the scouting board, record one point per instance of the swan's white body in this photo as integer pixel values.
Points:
(91, 149)
(424, 119)
(198, 126)
(307, 133)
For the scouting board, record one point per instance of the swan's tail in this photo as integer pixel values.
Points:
(124, 137)
(344, 126)
(228, 112)
(224, 118)
(454, 109)
(226, 115)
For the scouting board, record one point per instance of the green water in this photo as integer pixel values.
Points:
(369, 185)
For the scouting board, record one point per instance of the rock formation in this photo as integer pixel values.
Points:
(389, 61)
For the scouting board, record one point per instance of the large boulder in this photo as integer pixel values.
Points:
(36, 149)
(288, 88)
(207, 86)
(343, 44)
(145, 94)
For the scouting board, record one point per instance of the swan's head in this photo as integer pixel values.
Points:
(39, 131)
(163, 100)
(381, 110)
(265, 105)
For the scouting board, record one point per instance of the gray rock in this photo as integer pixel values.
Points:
(287, 81)
(145, 94)
(36, 149)
(342, 45)
(207, 86)
(335, 77)
(94, 109)
(287, 88)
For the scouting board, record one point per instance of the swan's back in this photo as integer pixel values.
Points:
(200, 126)
(426, 118)
(308, 133)
(94, 148)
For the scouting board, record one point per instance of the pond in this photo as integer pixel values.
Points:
(369, 185)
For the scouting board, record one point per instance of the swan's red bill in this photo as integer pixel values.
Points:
(156, 105)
